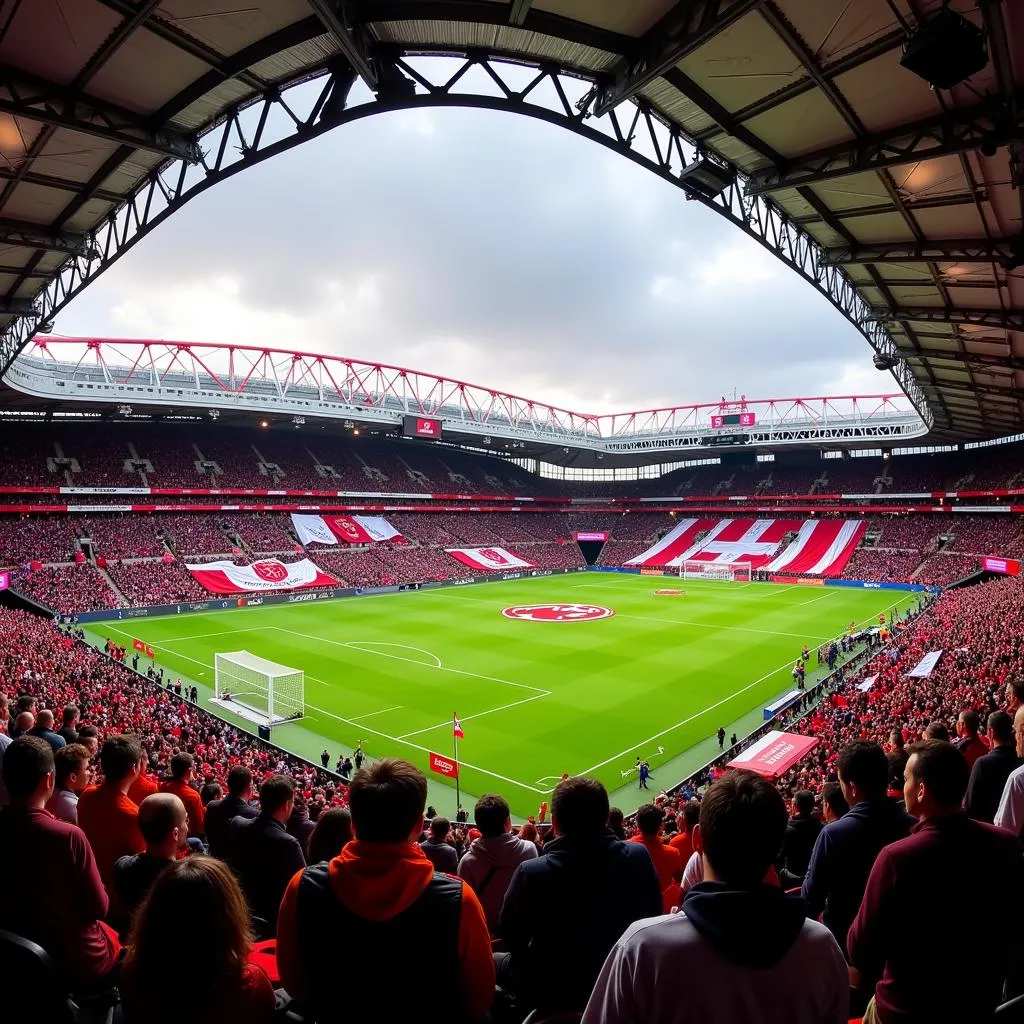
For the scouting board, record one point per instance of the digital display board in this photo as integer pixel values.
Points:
(421, 426)
(733, 419)
(718, 439)
(1005, 566)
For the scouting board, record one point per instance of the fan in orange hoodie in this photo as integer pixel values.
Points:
(367, 935)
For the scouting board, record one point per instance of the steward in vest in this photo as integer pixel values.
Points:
(406, 928)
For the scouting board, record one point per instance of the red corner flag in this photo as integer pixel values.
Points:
(457, 727)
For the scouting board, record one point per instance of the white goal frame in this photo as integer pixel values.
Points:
(733, 572)
(257, 689)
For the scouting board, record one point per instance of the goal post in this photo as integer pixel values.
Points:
(695, 569)
(259, 690)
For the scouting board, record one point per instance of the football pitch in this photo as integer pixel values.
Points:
(537, 695)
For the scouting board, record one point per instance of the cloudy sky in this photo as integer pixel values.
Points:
(489, 247)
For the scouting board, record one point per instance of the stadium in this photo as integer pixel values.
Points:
(383, 640)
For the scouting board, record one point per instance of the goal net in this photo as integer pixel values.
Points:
(694, 569)
(259, 690)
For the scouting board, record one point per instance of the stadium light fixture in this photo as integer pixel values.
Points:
(213, 413)
(264, 423)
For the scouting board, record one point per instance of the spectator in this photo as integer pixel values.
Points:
(262, 853)
(105, 813)
(72, 777)
(569, 906)
(24, 723)
(54, 895)
(991, 770)
(686, 820)
(846, 849)
(237, 804)
(666, 860)
(145, 785)
(801, 834)
(69, 723)
(299, 823)
(5, 742)
(382, 884)
(221, 985)
(707, 963)
(833, 803)
(333, 830)
(936, 731)
(904, 939)
(180, 784)
(437, 849)
(491, 860)
(163, 822)
(45, 731)
(616, 820)
(89, 737)
(1010, 812)
(969, 743)
(211, 791)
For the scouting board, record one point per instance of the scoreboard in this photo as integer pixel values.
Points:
(421, 426)
(733, 419)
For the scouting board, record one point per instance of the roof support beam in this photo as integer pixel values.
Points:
(36, 99)
(956, 131)
(36, 236)
(17, 307)
(960, 250)
(61, 184)
(970, 358)
(519, 10)
(675, 35)
(353, 40)
(1009, 319)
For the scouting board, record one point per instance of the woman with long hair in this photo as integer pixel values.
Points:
(333, 830)
(194, 896)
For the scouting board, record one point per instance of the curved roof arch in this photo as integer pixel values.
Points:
(866, 182)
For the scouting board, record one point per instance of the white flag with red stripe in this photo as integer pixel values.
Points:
(457, 727)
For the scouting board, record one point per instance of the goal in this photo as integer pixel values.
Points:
(694, 569)
(259, 690)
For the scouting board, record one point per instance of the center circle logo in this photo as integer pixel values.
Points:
(272, 572)
(558, 612)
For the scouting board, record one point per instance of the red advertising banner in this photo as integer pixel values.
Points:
(445, 766)
(774, 754)
(1006, 566)
(798, 581)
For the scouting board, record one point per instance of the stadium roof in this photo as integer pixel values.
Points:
(792, 118)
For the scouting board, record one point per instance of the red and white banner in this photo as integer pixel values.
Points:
(1004, 566)
(742, 540)
(822, 547)
(265, 575)
(489, 559)
(446, 766)
(312, 529)
(774, 754)
(679, 539)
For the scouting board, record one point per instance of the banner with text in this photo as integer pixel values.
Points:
(312, 529)
(774, 754)
(446, 766)
(926, 666)
(268, 574)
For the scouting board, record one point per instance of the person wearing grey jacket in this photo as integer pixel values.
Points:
(491, 861)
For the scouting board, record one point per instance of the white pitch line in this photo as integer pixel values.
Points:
(813, 600)
(383, 711)
(685, 721)
(201, 636)
(479, 714)
(442, 668)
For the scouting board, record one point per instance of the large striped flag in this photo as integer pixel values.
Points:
(457, 727)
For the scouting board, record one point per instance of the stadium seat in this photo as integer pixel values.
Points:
(34, 989)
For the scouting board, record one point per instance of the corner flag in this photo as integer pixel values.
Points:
(457, 727)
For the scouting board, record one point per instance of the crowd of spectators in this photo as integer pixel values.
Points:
(147, 583)
(262, 532)
(66, 588)
(121, 536)
(44, 538)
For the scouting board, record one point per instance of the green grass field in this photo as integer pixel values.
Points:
(536, 698)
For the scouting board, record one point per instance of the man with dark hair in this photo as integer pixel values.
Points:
(437, 849)
(846, 849)
(969, 742)
(26, 704)
(237, 804)
(1010, 812)
(89, 737)
(382, 889)
(53, 893)
(180, 784)
(492, 859)
(936, 731)
(105, 813)
(45, 731)
(801, 834)
(666, 859)
(69, 724)
(904, 941)
(991, 770)
(739, 950)
(833, 803)
(163, 822)
(72, 767)
(262, 853)
(569, 905)
(686, 822)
